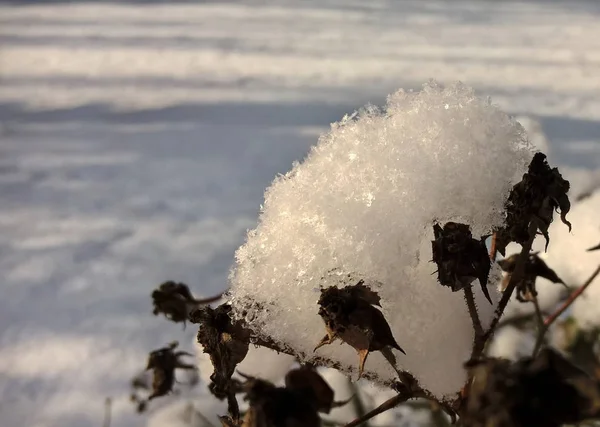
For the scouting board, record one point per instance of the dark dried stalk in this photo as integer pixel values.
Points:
(541, 329)
(564, 306)
(477, 328)
(516, 277)
(385, 406)
(493, 249)
(107, 412)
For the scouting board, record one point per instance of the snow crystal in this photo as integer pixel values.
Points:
(363, 204)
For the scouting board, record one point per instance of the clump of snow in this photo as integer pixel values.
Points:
(363, 203)
(535, 133)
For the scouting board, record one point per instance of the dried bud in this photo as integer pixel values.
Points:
(547, 391)
(541, 191)
(272, 406)
(175, 301)
(460, 258)
(313, 387)
(225, 341)
(534, 268)
(353, 319)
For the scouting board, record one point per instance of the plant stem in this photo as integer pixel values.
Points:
(545, 325)
(541, 328)
(385, 406)
(493, 248)
(516, 277)
(107, 412)
(550, 319)
(477, 328)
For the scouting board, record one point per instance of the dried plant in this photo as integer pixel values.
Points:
(541, 191)
(176, 301)
(349, 315)
(543, 390)
(535, 267)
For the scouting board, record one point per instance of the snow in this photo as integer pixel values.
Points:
(137, 138)
(363, 203)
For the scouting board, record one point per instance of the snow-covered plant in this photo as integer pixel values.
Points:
(385, 238)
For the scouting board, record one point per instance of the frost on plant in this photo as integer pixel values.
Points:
(362, 206)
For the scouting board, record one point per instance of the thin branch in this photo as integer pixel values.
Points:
(107, 412)
(541, 328)
(385, 406)
(477, 328)
(359, 405)
(516, 277)
(493, 247)
(550, 319)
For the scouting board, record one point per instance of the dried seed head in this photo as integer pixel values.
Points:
(535, 198)
(225, 341)
(176, 302)
(349, 314)
(547, 391)
(272, 406)
(313, 387)
(534, 268)
(460, 258)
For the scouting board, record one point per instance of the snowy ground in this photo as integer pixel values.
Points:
(136, 140)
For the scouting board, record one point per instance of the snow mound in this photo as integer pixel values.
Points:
(362, 205)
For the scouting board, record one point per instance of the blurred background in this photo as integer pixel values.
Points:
(137, 138)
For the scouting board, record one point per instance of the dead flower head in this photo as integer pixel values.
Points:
(535, 198)
(272, 406)
(175, 301)
(349, 314)
(225, 341)
(307, 381)
(534, 268)
(163, 363)
(546, 391)
(460, 258)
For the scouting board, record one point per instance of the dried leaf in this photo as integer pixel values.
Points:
(534, 268)
(460, 258)
(595, 248)
(355, 321)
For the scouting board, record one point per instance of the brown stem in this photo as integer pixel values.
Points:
(493, 248)
(107, 412)
(541, 328)
(516, 277)
(550, 319)
(385, 406)
(477, 328)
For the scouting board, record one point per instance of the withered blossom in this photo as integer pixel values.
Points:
(460, 258)
(272, 406)
(307, 381)
(176, 302)
(541, 191)
(349, 314)
(226, 342)
(534, 268)
(546, 391)
(163, 363)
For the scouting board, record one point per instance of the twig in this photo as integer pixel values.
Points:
(541, 328)
(550, 319)
(477, 328)
(493, 248)
(359, 406)
(107, 412)
(564, 306)
(385, 406)
(516, 277)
